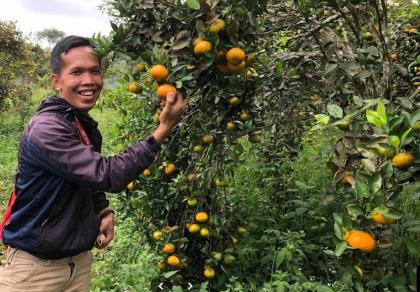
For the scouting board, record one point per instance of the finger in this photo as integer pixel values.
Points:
(171, 97)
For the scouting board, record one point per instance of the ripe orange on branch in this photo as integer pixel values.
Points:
(134, 87)
(236, 68)
(381, 219)
(158, 72)
(164, 89)
(168, 248)
(209, 273)
(173, 261)
(170, 169)
(202, 47)
(201, 217)
(208, 139)
(217, 25)
(235, 56)
(403, 160)
(361, 240)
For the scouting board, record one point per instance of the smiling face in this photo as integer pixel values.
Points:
(80, 80)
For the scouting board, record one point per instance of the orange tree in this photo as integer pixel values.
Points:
(311, 57)
(205, 51)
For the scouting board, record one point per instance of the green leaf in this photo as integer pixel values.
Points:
(405, 102)
(193, 4)
(381, 110)
(329, 67)
(362, 188)
(354, 212)
(412, 246)
(374, 118)
(395, 141)
(338, 230)
(415, 117)
(414, 229)
(395, 122)
(335, 110)
(338, 217)
(375, 183)
(405, 135)
(322, 119)
(389, 213)
(340, 248)
(167, 275)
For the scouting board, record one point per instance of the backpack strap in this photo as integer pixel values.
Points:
(82, 132)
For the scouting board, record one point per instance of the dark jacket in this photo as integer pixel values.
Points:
(61, 182)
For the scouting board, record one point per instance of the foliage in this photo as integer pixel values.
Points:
(325, 60)
(16, 65)
(126, 266)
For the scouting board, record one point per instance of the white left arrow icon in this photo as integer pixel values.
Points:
(160, 286)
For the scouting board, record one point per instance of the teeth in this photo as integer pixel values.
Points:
(87, 92)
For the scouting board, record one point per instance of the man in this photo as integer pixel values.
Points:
(60, 210)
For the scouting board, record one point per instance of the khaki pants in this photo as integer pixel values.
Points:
(27, 273)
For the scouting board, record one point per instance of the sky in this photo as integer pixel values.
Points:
(79, 17)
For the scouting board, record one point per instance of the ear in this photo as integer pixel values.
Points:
(55, 80)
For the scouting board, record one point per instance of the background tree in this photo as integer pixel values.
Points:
(51, 35)
(16, 65)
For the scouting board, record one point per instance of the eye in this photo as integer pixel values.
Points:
(75, 72)
(96, 71)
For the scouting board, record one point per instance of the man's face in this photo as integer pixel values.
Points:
(80, 81)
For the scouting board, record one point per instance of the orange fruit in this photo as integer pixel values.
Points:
(217, 25)
(234, 101)
(347, 178)
(220, 183)
(245, 116)
(197, 40)
(241, 230)
(222, 68)
(170, 169)
(221, 54)
(158, 72)
(228, 259)
(255, 138)
(198, 149)
(202, 47)
(201, 217)
(235, 56)
(173, 261)
(403, 160)
(250, 59)
(146, 172)
(249, 75)
(236, 68)
(130, 186)
(157, 235)
(192, 202)
(139, 68)
(204, 232)
(191, 177)
(194, 228)
(134, 87)
(209, 273)
(379, 218)
(361, 240)
(230, 126)
(168, 248)
(208, 139)
(161, 265)
(164, 89)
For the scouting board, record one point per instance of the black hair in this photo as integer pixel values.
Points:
(63, 46)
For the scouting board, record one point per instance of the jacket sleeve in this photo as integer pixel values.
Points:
(99, 201)
(55, 145)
